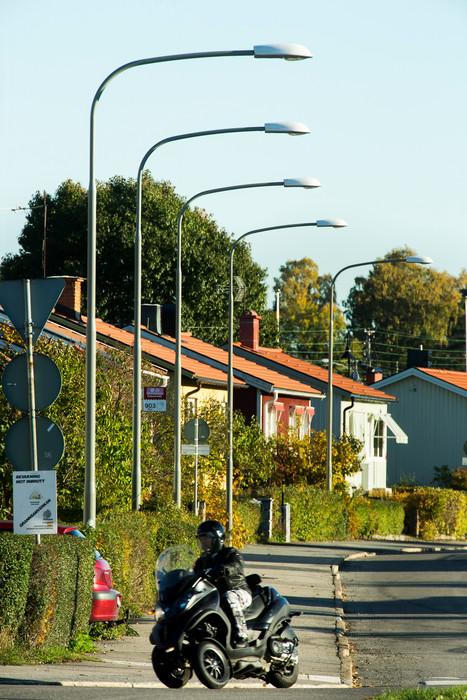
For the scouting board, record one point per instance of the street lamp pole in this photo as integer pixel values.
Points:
(320, 223)
(303, 182)
(290, 128)
(329, 421)
(290, 52)
(464, 294)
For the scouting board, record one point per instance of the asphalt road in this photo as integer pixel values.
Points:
(37, 692)
(406, 617)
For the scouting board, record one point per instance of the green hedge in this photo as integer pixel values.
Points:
(131, 543)
(438, 511)
(315, 514)
(46, 590)
(368, 517)
(15, 568)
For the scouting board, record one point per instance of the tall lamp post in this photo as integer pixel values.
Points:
(464, 294)
(410, 259)
(302, 182)
(320, 223)
(290, 52)
(290, 128)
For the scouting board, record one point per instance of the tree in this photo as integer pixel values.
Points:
(304, 300)
(204, 254)
(405, 306)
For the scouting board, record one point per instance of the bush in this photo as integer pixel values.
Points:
(368, 517)
(441, 512)
(132, 541)
(15, 567)
(46, 590)
(315, 514)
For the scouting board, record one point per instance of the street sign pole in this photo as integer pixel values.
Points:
(28, 331)
(196, 460)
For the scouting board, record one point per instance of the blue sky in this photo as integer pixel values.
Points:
(385, 96)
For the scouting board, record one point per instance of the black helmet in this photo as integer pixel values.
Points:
(214, 530)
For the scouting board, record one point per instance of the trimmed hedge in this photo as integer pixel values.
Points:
(15, 568)
(439, 512)
(131, 543)
(368, 517)
(46, 590)
(315, 514)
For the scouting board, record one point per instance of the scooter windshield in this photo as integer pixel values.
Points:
(173, 565)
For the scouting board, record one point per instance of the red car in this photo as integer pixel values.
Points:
(106, 601)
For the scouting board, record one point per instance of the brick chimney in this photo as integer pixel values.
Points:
(69, 303)
(373, 375)
(249, 329)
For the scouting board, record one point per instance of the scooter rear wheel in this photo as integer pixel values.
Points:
(212, 665)
(168, 671)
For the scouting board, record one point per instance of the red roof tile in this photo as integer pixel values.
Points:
(199, 370)
(458, 379)
(315, 372)
(278, 380)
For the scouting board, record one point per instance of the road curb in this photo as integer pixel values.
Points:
(342, 642)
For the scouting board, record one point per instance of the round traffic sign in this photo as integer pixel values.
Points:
(50, 444)
(189, 430)
(47, 381)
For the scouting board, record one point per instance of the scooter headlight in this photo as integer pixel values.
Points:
(159, 612)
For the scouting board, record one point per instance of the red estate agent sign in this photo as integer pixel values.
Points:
(154, 398)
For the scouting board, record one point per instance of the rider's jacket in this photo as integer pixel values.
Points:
(224, 569)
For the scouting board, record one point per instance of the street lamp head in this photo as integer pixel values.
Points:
(331, 223)
(290, 128)
(306, 182)
(421, 260)
(289, 52)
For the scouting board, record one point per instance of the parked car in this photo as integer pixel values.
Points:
(106, 601)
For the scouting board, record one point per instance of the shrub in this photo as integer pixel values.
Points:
(15, 567)
(315, 514)
(59, 597)
(368, 517)
(132, 541)
(441, 512)
(46, 590)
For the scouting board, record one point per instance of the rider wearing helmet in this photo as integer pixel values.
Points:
(224, 567)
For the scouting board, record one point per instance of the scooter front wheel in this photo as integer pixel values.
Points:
(285, 678)
(212, 665)
(169, 671)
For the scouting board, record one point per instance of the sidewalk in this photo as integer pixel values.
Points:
(300, 572)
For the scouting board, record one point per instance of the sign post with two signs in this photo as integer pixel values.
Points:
(197, 432)
(32, 382)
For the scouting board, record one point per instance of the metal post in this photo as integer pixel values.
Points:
(330, 394)
(268, 51)
(195, 495)
(136, 470)
(31, 385)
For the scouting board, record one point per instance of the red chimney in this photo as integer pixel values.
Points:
(373, 375)
(69, 303)
(249, 329)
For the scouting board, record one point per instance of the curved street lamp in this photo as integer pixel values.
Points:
(411, 259)
(302, 182)
(290, 128)
(289, 52)
(320, 223)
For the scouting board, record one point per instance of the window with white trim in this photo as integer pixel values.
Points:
(378, 437)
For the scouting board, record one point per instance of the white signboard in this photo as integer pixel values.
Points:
(35, 502)
(202, 450)
(154, 398)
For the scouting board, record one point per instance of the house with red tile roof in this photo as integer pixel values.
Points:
(432, 407)
(278, 402)
(359, 410)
